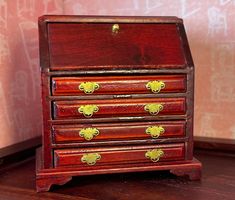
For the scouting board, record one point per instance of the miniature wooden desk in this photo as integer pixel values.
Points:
(117, 96)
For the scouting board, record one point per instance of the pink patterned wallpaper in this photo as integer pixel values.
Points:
(210, 26)
(20, 111)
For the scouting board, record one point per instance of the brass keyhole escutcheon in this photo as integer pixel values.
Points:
(88, 133)
(115, 28)
(88, 110)
(90, 158)
(154, 155)
(155, 86)
(88, 87)
(155, 131)
(153, 108)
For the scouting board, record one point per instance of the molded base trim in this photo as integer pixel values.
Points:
(45, 178)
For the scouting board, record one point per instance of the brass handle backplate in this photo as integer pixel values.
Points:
(88, 87)
(90, 158)
(154, 155)
(115, 28)
(155, 131)
(155, 86)
(153, 108)
(88, 133)
(88, 110)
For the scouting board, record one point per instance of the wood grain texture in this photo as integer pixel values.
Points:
(49, 174)
(84, 49)
(155, 185)
(46, 134)
(117, 85)
(43, 185)
(117, 131)
(193, 174)
(143, 44)
(117, 155)
(115, 108)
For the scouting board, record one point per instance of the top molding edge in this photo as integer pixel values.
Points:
(107, 19)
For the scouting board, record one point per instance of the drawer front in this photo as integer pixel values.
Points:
(118, 85)
(90, 45)
(117, 132)
(94, 157)
(118, 108)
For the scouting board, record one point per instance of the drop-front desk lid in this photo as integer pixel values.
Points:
(92, 42)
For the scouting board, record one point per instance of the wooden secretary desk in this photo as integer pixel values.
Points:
(117, 96)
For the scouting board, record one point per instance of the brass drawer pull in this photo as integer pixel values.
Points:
(88, 110)
(115, 28)
(88, 133)
(90, 158)
(88, 87)
(154, 155)
(155, 86)
(153, 108)
(155, 131)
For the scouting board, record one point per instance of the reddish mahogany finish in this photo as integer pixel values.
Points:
(118, 108)
(76, 49)
(95, 44)
(117, 131)
(117, 155)
(117, 85)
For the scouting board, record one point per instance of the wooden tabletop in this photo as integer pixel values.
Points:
(218, 182)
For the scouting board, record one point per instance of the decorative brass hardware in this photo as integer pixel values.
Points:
(154, 155)
(115, 28)
(88, 110)
(89, 133)
(88, 87)
(90, 158)
(153, 108)
(155, 131)
(155, 86)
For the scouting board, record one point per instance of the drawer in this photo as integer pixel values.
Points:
(118, 108)
(109, 45)
(118, 85)
(94, 157)
(117, 131)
